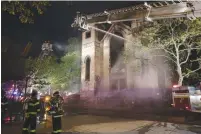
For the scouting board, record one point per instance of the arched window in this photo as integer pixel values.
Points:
(87, 70)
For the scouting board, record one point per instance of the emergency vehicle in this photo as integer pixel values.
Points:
(186, 98)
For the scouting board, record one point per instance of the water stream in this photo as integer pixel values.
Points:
(103, 31)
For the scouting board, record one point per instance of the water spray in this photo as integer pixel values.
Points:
(106, 32)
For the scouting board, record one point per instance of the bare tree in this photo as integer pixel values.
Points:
(178, 39)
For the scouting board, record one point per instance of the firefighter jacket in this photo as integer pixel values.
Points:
(32, 106)
(56, 106)
(4, 102)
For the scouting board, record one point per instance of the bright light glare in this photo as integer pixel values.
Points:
(145, 3)
(47, 109)
(109, 22)
(45, 117)
(69, 93)
(47, 98)
(175, 86)
(149, 19)
(106, 12)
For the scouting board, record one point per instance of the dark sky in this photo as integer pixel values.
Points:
(54, 25)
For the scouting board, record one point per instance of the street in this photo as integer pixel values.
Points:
(104, 125)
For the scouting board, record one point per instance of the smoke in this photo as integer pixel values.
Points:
(143, 71)
(74, 47)
(71, 48)
(60, 48)
(147, 72)
(135, 73)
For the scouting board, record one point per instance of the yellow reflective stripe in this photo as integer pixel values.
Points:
(32, 113)
(52, 112)
(31, 104)
(26, 114)
(37, 103)
(58, 131)
(58, 116)
(34, 104)
(38, 110)
(32, 130)
(25, 129)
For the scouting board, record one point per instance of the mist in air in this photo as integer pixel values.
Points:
(137, 67)
(73, 47)
(146, 72)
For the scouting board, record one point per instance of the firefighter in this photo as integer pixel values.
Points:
(4, 105)
(56, 111)
(32, 109)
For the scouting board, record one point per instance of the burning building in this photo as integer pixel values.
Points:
(106, 37)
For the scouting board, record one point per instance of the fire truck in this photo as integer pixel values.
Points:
(186, 98)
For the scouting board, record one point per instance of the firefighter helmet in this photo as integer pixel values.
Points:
(34, 93)
(56, 93)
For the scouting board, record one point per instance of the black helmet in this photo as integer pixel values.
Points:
(34, 93)
(56, 93)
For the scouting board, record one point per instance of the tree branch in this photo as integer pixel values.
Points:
(186, 75)
(187, 57)
(186, 37)
(191, 49)
(199, 59)
(171, 31)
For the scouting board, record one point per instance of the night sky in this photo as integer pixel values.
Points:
(53, 25)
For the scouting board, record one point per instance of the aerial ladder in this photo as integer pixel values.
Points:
(145, 12)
